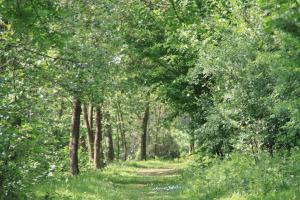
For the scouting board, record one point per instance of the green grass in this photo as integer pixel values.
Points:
(236, 178)
(120, 181)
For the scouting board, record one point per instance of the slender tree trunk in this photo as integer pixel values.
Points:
(144, 135)
(90, 133)
(110, 144)
(121, 127)
(74, 137)
(91, 118)
(61, 109)
(123, 137)
(91, 122)
(156, 145)
(192, 143)
(98, 154)
(157, 131)
(118, 140)
(111, 152)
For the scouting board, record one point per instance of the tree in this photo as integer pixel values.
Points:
(98, 151)
(144, 134)
(110, 144)
(74, 137)
(89, 125)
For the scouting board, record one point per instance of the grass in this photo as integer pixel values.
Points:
(120, 181)
(239, 177)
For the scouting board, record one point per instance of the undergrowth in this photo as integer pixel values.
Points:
(238, 177)
(241, 177)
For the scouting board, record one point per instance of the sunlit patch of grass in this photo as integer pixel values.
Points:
(235, 196)
(118, 181)
(154, 164)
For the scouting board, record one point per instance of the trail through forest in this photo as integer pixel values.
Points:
(150, 183)
(90, 90)
(131, 180)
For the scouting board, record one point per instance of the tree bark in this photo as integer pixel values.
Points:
(118, 140)
(90, 133)
(110, 145)
(98, 154)
(123, 137)
(192, 143)
(121, 127)
(158, 116)
(91, 117)
(74, 137)
(144, 135)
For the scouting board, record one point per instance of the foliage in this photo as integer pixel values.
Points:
(220, 77)
(241, 177)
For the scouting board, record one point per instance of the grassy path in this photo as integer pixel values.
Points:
(127, 181)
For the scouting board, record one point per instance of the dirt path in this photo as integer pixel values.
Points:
(157, 172)
(142, 183)
(144, 180)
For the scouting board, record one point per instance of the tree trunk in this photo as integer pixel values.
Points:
(90, 133)
(158, 116)
(121, 127)
(110, 145)
(144, 135)
(118, 140)
(91, 117)
(192, 143)
(123, 137)
(74, 137)
(98, 155)
(61, 109)
(156, 145)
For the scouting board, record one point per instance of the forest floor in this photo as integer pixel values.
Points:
(156, 180)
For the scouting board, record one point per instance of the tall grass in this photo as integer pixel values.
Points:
(241, 177)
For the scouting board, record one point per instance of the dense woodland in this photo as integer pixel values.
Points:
(89, 84)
